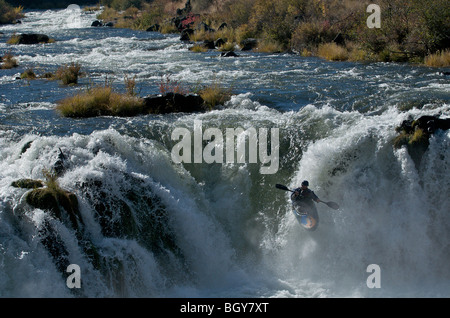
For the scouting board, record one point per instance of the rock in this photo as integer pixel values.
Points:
(186, 34)
(209, 44)
(223, 26)
(249, 44)
(96, 23)
(109, 24)
(202, 26)
(173, 103)
(27, 184)
(56, 202)
(415, 134)
(219, 42)
(154, 28)
(32, 38)
(228, 54)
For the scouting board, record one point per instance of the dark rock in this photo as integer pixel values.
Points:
(186, 34)
(56, 202)
(219, 42)
(223, 26)
(109, 24)
(173, 103)
(249, 44)
(202, 26)
(27, 184)
(415, 134)
(33, 38)
(154, 28)
(430, 124)
(228, 54)
(209, 44)
(97, 23)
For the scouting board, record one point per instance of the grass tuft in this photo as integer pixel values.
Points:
(440, 59)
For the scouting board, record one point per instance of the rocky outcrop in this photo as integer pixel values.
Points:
(415, 134)
(173, 103)
(32, 38)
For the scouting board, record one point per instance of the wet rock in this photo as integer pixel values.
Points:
(186, 34)
(415, 134)
(219, 42)
(61, 204)
(209, 45)
(96, 23)
(228, 54)
(27, 184)
(173, 103)
(32, 38)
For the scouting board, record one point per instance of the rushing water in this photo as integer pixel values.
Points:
(162, 229)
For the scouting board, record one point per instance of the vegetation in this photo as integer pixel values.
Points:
(8, 61)
(410, 29)
(440, 59)
(215, 94)
(68, 74)
(8, 13)
(28, 74)
(100, 101)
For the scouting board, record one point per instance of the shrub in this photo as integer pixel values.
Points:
(28, 74)
(332, 52)
(215, 94)
(100, 101)
(440, 59)
(8, 14)
(8, 61)
(68, 74)
(167, 85)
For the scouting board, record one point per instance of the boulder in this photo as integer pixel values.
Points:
(415, 134)
(219, 42)
(154, 28)
(56, 202)
(186, 34)
(228, 54)
(27, 184)
(97, 23)
(32, 38)
(209, 45)
(249, 44)
(173, 103)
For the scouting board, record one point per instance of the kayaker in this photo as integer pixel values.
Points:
(304, 194)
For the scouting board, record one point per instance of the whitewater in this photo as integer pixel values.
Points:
(155, 228)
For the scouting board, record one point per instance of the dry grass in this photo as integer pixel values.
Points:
(440, 59)
(267, 46)
(68, 74)
(100, 101)
(215, 94)
(332, 52)
(8, 61)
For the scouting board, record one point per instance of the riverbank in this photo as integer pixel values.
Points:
(332, 30)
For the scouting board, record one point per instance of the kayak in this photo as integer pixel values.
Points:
(306, 215)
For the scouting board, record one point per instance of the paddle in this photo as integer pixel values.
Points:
(331, 204)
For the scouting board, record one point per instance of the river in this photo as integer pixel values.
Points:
(165, 229)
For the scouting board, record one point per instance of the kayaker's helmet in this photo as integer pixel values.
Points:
(305, 183)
